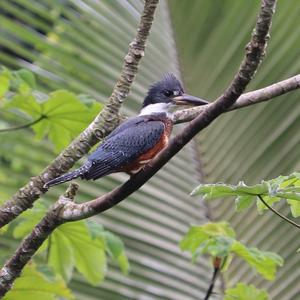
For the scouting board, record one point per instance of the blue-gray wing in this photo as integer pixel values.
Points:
(124, 146)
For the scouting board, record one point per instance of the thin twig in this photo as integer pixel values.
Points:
(278, 213)
(212, 283)
(14, 128)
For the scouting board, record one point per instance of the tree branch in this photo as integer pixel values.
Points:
(103, 124)
(247, 99)
(254, 53)
(67, 210)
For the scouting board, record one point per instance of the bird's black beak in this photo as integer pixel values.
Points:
(186, 99)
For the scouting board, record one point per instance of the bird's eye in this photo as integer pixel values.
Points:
(168, 93)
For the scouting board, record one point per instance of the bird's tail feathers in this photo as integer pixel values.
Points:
(68, 176)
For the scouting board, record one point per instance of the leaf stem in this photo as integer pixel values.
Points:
(278, 213)
(14, 128)
(212, 283)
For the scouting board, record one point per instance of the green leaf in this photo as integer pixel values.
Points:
(226, 263)
(265, 263)
(88, 254)
(200, 234)
(113, 244)
(244, 202)
(282, 187)
(292, 179)
(193, 239)
(71, 246)
(217, 239)
(34, 285)
(3, 229)
(66, 117)
(27, 76)
(288, 195)
(61, 255)
(27, 104)
(213, 191)
(95, 229)
(115, 248)
(245, 292)
(29, 219)
(216, 247)
(123, 263)
(269, 200)
(4, 82)
(295, 207)
(257, 189)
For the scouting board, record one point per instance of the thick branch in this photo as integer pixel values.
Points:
(67, 210)
(254, 53)
(103, 124)
(247, 99)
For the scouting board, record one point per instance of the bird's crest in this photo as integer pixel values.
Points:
(158, 91)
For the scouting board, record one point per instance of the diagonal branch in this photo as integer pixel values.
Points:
(255, 51)
(66, 210)
(247, 99)
(103, 124)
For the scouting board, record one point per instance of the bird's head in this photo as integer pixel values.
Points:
(166, 94)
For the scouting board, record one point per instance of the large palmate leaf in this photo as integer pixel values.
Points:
(78, 245)
(61, 116)
(81, 251)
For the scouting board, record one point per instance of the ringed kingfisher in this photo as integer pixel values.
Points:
(136, 141)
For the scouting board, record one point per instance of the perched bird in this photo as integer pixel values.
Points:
(139, 139)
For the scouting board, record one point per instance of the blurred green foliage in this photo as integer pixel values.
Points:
(218, 240)
(245, 292)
